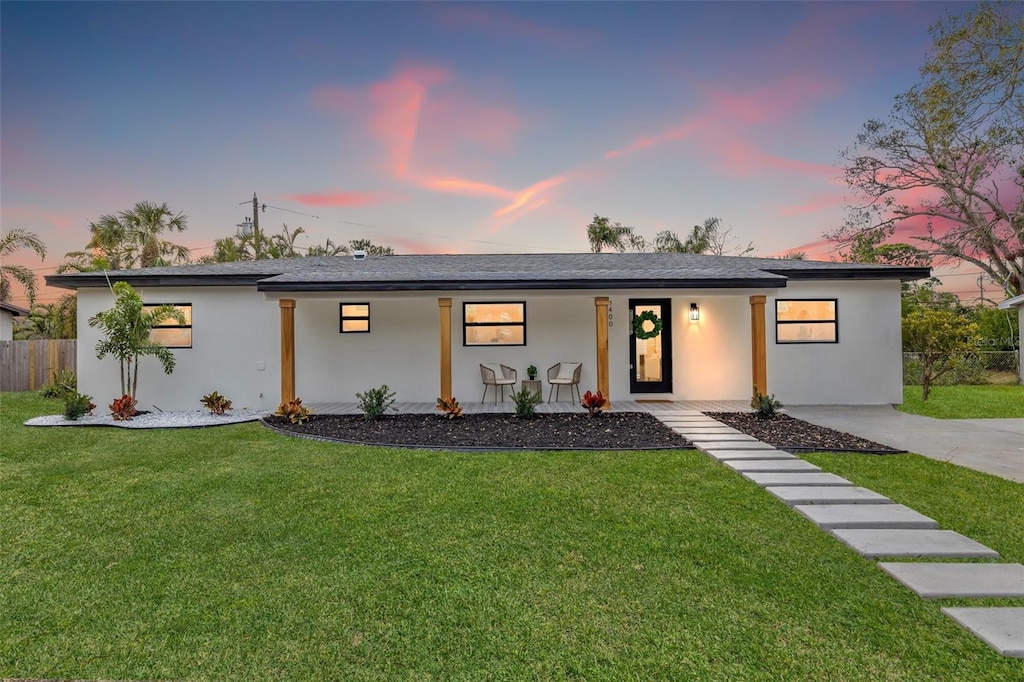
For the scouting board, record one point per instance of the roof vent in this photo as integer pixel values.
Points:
(359, 255)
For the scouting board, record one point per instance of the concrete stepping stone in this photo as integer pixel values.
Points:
(941, 581)
(829, 516)
(725, 455)
(705, 444)
(778, 465)
(727, 436)
(707, 431)
(767, 478)
(821, 494)
(1002, 628)
(872, 543)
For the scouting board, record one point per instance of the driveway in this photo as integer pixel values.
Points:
(995, 446)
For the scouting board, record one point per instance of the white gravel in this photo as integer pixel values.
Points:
(153, 420)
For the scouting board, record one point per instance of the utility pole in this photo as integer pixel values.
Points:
(255, 225)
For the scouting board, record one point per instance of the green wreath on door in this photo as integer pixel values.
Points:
(639, 320)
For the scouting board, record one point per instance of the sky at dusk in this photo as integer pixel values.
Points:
(446, 127)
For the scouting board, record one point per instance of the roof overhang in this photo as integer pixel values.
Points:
(904, 274)
(275, 284)
(1015, 302)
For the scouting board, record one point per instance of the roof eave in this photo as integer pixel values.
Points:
(519, 285)
(904, 274)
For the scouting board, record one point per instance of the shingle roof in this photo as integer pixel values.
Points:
(494, 271)
(13, 309)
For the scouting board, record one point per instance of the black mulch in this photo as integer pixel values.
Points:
(609, 431)
(796, 435)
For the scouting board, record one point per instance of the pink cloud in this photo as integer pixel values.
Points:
(407, 245)
(819, 202)
(342, 198)
(463, 187)
(17, 212)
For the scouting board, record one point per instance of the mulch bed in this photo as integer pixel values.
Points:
(796, 435)
(609, 431)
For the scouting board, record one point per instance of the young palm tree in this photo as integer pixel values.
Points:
(126, 329)
(10, 243)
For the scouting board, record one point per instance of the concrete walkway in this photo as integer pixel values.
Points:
(873, 526)
(995, 446)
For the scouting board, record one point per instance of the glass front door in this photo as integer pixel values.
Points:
(650, 359)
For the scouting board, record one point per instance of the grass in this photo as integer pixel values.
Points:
(965, 402)
(236, 553)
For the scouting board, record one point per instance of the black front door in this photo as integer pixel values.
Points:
(650, 360)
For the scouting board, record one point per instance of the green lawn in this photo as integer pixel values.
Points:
(236, 553)
(965, 402)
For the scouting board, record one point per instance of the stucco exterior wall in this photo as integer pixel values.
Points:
(6, 326)
(233, 330)
(865, 367)
(1020, 342)
(236, 346)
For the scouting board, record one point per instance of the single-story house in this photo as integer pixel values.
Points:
(7, 314)
(1018, 303)
(323, 328)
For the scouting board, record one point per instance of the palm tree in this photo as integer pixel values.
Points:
(10, 243)
(602, 233)
(145, 224)
(328, 248)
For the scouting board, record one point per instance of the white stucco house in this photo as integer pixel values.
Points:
(1018, 303)
(324, 328)
(7, 314)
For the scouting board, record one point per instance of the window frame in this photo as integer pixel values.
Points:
(466, 325)
(188, 326)
(342, 318)
(834, 322)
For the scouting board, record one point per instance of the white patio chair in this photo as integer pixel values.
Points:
(564, 374)
(497, 375)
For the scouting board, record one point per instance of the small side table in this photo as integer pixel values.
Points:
(534, 386)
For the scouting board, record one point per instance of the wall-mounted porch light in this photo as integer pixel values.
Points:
(694, 312)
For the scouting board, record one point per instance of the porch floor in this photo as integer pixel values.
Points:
(677, 407)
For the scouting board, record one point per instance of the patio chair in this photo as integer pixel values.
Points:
(564, 374)
(497, 375)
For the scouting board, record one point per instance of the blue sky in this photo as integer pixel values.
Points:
(446, 127)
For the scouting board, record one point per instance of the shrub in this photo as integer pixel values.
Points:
(764, 406)
(216, 403)
(65, 383)
(77, 404)
(376, 402)
(294, 411)
(123, 408)
(451, 408)
(531, 372)
(964, 370)
(526, 403)
(594, 402)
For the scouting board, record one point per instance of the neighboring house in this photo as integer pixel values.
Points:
(1018, 303)
(7, 314)
(324, 328)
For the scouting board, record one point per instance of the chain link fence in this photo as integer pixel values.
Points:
(982, 367)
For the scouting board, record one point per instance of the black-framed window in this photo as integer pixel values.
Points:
(170, 333)
(807, 320)
(500, 323)
(355, 318)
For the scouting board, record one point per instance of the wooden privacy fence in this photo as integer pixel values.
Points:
(29, 365)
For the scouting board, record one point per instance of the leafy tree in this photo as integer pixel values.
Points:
(370, 248)
(10, 243)
(951, 154)
(708, 237)
(943, 338)
(50, 320)
(602, 234)
(328, 248)
(126, 329)
(870, 247)
(997, 329)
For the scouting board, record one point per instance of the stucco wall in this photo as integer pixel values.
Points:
(237, 330)
(865, 367)
(6, 326)
(234, 329)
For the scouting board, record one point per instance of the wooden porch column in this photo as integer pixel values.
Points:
(601, 307)
(444, 309)
(758, 355)
(287, 349)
